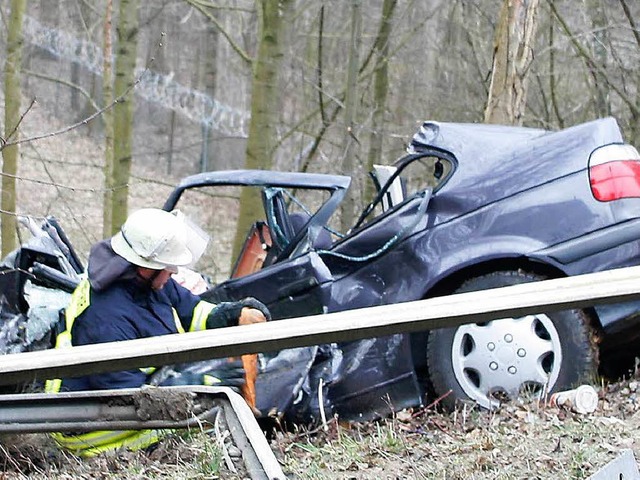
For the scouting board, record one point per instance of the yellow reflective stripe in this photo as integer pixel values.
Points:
(148, 370)
(94, 443)
(138, 441)
(53, 385)
(200, 314)
(80, 300)
(177, 321)
(63, 340)
(91, 439)
(210, 380)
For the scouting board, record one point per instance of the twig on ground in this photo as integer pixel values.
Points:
(432, 404)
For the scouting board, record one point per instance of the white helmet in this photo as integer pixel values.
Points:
(155, 239)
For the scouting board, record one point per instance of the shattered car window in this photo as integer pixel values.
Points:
(424, 172)
(214, 209)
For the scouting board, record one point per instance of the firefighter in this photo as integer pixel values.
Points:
(130, 294)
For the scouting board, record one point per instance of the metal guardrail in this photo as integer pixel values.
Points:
(192, 407)
(99, 410)
(623, 467)
(453, 310)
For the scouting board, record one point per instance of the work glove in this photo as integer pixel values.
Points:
(256, 304)
(227, 314)
(220, 372)
(227, 374)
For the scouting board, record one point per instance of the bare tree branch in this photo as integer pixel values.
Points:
(582, 52)
(323, 117)
(338, 100)
(66, 83)
(213, 6)
(74, 125)
(200, 6)
(84, 121)
(552, 78)
(17, 126)
(632, 23)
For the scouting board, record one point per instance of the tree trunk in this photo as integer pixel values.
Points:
(209, 80)
(127, 34)
(553, 80)
(348, 206)
(265, 107)
(635, 115)
(107, 117)
(12, 97)
(512, 56)
(602, 104)
(380, 91)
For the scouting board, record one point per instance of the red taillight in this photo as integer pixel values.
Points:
(614, 172)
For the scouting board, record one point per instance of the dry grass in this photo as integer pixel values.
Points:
(36, 456)
(516, 442)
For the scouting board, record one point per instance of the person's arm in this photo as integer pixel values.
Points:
(196, 314)
(243, 312)
(205, 315)
(115, 380)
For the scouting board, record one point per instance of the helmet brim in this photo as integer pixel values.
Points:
(122, 248)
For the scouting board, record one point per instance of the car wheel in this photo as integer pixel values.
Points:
(495, 361)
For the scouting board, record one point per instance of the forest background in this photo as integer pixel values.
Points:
(162, 89)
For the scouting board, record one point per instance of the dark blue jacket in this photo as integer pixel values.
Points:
(124, 308)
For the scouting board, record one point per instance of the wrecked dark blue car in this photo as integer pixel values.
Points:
(469, 207)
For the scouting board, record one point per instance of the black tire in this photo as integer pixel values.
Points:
(529, 347)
